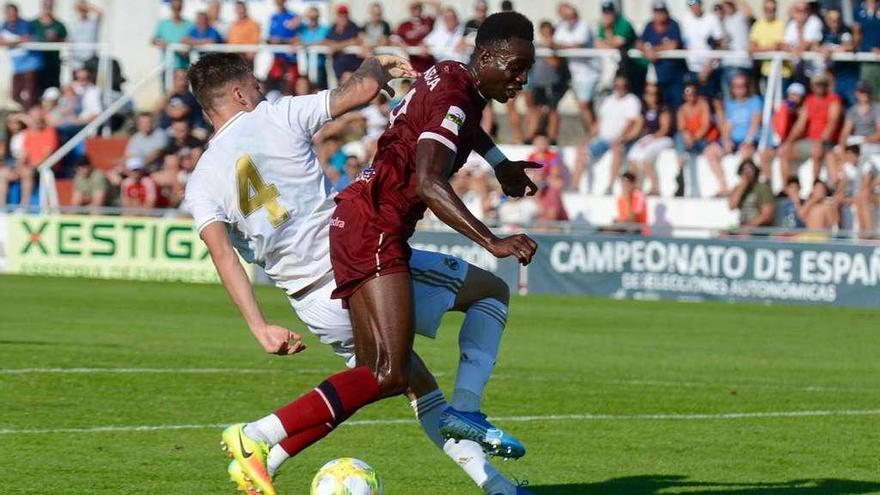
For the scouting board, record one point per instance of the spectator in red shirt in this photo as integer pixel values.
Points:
(38, 142)
(817, 127)
(413, 32)
(632, 208)
(550, 159)
(783, 121)
(550, 205)
(138, 189)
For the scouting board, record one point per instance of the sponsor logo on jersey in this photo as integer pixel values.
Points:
(452, 263)
(336, 222)
(453, 120)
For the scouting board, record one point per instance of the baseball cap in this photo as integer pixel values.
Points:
(134, 163)
(659, 5)
(796, 89)
(694, 2)
(608, 7)
(342, 9)
(864, 87)
(51, 94)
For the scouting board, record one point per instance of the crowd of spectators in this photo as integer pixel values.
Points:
(702, 106)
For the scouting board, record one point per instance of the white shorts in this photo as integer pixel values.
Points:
(647, 148)
(436, 279)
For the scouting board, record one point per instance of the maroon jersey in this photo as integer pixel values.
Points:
(443, 105)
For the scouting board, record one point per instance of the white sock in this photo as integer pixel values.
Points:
(276, 458)
(478, 343)
(471, 458)
(467, 454)
(268, 429)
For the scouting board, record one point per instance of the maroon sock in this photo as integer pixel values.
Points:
(297, 443)
(332, 402)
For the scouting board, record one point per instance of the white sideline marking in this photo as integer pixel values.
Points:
(772, 386)
(509, 419)
(233, 371)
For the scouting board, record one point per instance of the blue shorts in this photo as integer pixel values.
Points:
(597, 147)
(697, 148)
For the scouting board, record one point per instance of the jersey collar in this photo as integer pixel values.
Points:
(227, 124)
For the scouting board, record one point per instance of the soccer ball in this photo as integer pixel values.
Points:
(346, 476)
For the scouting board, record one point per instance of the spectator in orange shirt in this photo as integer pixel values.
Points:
(632, 207)
(38, 142)
(244, 30)
(816, 129)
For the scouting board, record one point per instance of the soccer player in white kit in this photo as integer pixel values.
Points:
(259, 190)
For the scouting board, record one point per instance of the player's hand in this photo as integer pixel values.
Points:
(519, 245)
(279, 340)
(395, 67)
(514, 180)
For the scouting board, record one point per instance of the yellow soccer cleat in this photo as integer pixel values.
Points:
(251, 456)
(237, 477)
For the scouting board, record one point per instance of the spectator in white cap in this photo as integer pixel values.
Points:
(138, 189)
(784, 118)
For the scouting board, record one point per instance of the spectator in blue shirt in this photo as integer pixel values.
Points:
(312, 32)
(282, 31)
(867, 29)
(202, 33)
(344, 34)
(25, 63)
(741, 124)
(660, 35)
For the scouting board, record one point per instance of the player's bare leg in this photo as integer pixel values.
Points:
(382, 319)
(484, 299)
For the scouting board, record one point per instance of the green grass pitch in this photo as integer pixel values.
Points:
(610, 397)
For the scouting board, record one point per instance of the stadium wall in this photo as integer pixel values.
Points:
(634, 267)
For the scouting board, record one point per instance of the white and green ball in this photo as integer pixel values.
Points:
(346, 476)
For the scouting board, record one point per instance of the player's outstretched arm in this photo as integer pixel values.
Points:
(273, 339)
(433, 159)
(373, 75)
(510, 174)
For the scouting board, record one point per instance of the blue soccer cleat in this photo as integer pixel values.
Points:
(474, 426)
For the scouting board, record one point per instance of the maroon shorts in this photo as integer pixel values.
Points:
(360, 249)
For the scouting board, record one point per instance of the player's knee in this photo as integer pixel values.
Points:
(500, 290)
(393, 381)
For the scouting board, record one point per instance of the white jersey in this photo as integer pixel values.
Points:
(260, 176)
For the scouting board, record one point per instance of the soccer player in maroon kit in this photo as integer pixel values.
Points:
(430, 136)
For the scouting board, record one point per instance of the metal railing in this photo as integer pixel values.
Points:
(307, 61)
(104, 74)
